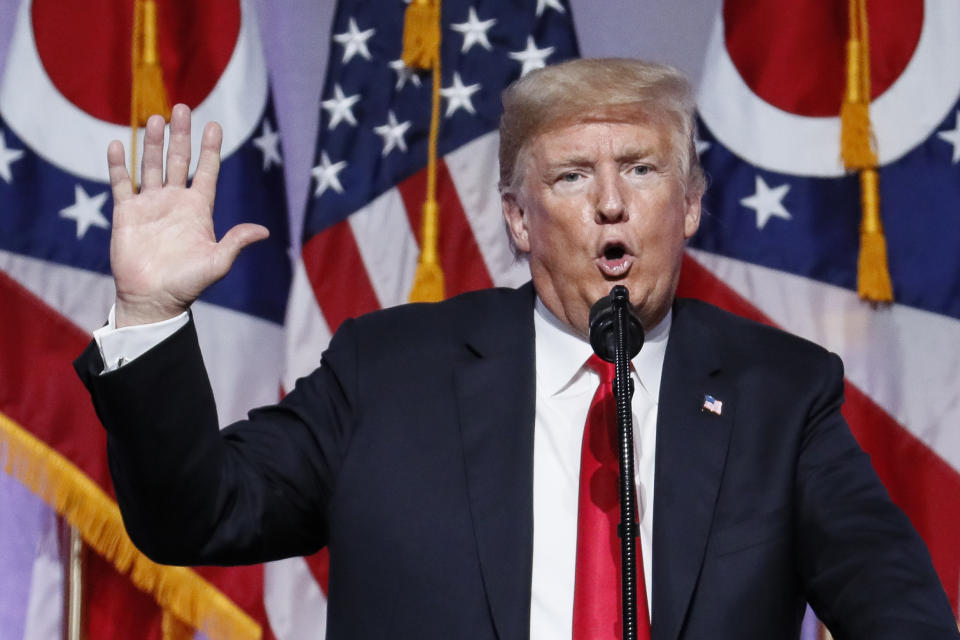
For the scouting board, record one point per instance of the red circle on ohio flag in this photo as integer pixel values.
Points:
(792, 53)
(85, 50)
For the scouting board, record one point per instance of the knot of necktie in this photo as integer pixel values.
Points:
(606, 370)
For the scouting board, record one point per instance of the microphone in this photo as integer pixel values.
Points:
(616, 335)
(603, 316)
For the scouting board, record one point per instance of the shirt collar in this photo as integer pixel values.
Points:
(561, 354)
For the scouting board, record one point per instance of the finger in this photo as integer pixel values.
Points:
(119, 176)
(151, 170)
(178, 151)
(208, 165)
(234, 241)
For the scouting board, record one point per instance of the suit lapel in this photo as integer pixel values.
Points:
(495, 387)
(691, 453)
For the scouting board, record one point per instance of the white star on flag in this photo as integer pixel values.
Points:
(767, 202)
(340, 107)
(531, 57)
(543, 5)
(458, 96)
(269, 143)
(701, 145)
(952, 136)
(326, 175)
(85, 211)
(392, 133)
(7, 157)
(354, 41)
(474, 31)
(404, 73)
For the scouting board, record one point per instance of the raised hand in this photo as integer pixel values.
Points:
(163, 250)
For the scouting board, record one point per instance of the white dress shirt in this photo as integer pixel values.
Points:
(565, 388)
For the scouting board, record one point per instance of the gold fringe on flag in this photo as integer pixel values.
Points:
(856, 144)
(172, 628)
(147, 94)
(421, 50)
(180, 592)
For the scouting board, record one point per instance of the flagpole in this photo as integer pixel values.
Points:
(75, 585)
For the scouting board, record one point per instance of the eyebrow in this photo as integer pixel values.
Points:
(577, 159)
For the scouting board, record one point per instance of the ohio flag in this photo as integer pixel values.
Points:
(66, 93)
(780, 234)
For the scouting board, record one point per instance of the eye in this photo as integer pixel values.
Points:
(570, 176)
(640, 170)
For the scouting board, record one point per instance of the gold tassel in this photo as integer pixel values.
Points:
(873, 273)
(147, 94)
(428, 285)
(428, 281)
(857, 150)
(82, 503)
(421, 34)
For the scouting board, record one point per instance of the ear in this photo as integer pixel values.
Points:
(513, 215)
(691, 216)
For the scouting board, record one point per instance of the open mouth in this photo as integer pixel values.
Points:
(614, 261)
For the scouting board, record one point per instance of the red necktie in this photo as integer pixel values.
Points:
(596, 594)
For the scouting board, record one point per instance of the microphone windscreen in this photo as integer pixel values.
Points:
(603, 336)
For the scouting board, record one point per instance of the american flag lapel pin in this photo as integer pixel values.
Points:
(711, 404)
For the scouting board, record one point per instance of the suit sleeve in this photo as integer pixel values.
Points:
(866, 571)
(192, 494)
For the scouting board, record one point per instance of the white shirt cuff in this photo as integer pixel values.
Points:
(124, 345)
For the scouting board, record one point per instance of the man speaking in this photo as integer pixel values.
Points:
(455, 458)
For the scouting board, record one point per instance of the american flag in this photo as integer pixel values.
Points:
(712, 405)
(362, 226)
(360, 237)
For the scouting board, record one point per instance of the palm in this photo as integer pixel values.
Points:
(163, 249)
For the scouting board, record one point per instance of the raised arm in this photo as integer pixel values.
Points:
(163, 250)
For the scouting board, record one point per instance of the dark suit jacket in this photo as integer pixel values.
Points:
(409, 453)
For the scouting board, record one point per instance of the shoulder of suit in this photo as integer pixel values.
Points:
(451, 316)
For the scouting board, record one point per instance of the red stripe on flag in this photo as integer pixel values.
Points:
(919, 481)
(40, 389)
(243, 585)
(113, 608)
(338, 276)
(463, 266)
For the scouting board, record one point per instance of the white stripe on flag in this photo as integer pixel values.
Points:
(388, 247)
(475, 172)
(245, 369)
(82, 296)
(44, 619)
(307, 331)
(296, 607)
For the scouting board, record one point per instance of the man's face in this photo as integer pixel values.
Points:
(602, 203)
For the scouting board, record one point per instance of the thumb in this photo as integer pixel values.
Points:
(235, 240)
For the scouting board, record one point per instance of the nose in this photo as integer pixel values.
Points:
(609, 201)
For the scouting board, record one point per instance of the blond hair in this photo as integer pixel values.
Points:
(582, 90)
